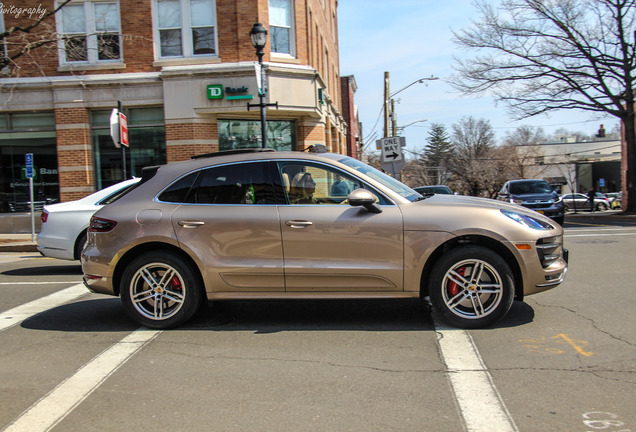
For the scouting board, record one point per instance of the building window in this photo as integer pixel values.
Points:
(90, 32)
(22, 133)
(281, 26)
(3, 40)
(185, 28)
(147, 135)
(238, 134)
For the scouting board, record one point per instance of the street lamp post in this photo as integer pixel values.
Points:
(258, 35)
(389, 105)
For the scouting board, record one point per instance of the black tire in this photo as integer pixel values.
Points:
(160, 290)
(601, 207)
(79, 245)
(461, 299)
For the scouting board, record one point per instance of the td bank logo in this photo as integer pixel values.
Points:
(215, 91)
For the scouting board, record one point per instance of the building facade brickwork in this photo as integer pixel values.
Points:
(185, 85)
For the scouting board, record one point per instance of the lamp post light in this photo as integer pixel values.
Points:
(258, 35)
(389, 104)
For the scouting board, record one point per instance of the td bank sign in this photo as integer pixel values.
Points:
(219, 91)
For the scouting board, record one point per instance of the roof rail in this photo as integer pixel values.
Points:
(231, 152)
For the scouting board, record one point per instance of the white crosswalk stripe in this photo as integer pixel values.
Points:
(18, 314)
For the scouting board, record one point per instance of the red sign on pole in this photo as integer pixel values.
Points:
(123, 129)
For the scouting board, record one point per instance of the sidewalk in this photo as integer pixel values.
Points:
(17, 243)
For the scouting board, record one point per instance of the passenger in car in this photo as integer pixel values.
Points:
(302, 189)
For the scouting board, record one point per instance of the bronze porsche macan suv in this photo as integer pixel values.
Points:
(298, 225)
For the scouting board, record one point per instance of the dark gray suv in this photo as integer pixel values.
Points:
(537, 195)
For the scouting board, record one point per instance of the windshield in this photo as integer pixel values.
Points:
(539, 186)
(379, 176)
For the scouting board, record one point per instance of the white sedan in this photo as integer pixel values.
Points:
(64, 225)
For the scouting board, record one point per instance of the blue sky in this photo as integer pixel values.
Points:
(412, 39)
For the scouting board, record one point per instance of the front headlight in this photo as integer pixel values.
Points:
(529, 221)
(558, 199)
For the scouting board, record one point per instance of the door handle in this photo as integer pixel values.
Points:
(298, 223)
(190, 224)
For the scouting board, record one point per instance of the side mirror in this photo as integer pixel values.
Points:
(364, 198)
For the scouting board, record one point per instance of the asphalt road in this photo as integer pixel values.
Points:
(564, 360)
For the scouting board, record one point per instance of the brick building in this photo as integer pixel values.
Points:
(353, 138)
(184, 71)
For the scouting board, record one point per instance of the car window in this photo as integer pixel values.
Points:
(178, 191)
(117, 194)
(244, 183)
(310, 183)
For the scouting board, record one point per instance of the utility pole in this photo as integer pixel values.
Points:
(393, 119)
(387, 97)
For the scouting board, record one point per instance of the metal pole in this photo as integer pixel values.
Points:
(386, 104)
(393, 119)
(31, 196)
(261, 93)
(123, 147)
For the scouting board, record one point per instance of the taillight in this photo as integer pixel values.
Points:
(44, 216)
(101, 225)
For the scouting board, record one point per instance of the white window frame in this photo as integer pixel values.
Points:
(187, 42)
(292, 33)
(91, 34)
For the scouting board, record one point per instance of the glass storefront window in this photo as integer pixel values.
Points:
(147, 137)
(237, 134)
(22, 133)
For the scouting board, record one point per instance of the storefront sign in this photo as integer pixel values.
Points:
(216, 91)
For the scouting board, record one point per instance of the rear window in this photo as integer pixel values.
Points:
(248, 183)
(178, 191)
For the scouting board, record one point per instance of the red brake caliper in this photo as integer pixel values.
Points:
(176, 283)
(453, 288)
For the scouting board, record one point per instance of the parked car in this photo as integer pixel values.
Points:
(579, 201)
(615, 199)
(537, 195)
(436, 189)
(63, 231)
(267, 225)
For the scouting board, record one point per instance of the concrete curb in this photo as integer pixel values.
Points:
(18, 247)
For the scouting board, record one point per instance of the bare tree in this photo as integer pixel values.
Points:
(542, 56)
(473, 142)
(17, 41)
(524, 152)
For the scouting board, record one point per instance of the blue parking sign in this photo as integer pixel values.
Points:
(29, 165)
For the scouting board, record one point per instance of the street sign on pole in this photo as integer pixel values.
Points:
(123, 129)
(28, 158)
(119, 133)
(391, 149)
(392, 158)
(114, 127)
(378, 143)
